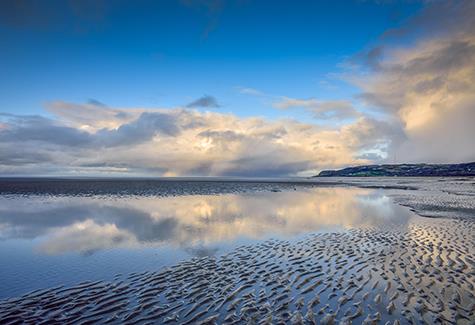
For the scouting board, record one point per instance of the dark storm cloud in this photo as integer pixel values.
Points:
(205, 101)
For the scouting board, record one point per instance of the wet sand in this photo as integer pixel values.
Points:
(422, 272)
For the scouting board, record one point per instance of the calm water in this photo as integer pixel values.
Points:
(50, 240)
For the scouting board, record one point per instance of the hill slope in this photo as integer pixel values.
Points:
(465, 169)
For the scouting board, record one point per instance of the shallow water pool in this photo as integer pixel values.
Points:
(49, 240)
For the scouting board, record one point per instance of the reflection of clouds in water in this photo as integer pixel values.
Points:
(381, 210)
(86, 237)
(201, 251)
(195, 222)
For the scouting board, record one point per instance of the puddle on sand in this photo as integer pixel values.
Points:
(322, 255)
(48, 241)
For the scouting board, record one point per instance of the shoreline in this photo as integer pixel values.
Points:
(455, 197)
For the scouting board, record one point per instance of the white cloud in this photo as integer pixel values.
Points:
(428, 86)
(174, 142)
(90, 117)
(86, 237)
(249, 91)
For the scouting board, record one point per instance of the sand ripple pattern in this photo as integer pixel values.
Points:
(421, 274)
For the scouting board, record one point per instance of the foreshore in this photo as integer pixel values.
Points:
(419, 272)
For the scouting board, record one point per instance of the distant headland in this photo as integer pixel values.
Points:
(407, 170)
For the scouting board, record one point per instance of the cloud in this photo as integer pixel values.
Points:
(22, 156)
(144, 128)
(249, 91)
(90, 117)
(171, 142)
(426, 84)
(95, 102)
(437, 19)
(39, 129)
(332, 109)
(205, 101)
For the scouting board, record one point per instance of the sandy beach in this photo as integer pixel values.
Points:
(419, 272)
(237, 162)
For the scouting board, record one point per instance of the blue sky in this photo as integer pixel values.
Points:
(167, 53)
(233, 88)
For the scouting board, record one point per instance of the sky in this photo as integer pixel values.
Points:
(233, 88)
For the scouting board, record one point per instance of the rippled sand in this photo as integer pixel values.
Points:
(423, 272)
